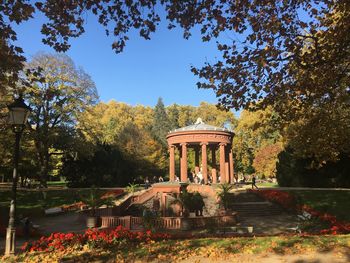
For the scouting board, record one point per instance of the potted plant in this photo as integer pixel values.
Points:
(93, 201)
(131, 188)
(225, 196)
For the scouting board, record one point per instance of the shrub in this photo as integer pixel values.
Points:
(295, 172)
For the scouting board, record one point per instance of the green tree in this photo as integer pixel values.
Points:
(161, 124)
(173, 113)
(62, 92)
(320, 132)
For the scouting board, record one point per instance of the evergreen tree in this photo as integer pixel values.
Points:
(173, 114)
(161, 123)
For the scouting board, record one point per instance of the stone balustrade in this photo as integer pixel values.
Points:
(170, 223)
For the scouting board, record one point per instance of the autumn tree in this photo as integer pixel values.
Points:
(265, 160)
(270, 39)
(128, 130)
(104, 122)
(56, 98)
(213, 115)
(255, 133)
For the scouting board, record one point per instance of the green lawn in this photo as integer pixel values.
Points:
(33, 202)
(267, 184)
(329, 201)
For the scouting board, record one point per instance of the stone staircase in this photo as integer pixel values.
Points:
(248, 204)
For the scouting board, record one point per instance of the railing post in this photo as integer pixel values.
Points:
(128, 223)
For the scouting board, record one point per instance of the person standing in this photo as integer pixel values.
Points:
(26, 228)
(254, 182)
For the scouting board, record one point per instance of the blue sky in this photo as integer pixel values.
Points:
(146, 70)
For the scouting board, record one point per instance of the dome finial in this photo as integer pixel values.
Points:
(199, 121)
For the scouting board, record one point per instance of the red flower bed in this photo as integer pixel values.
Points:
(92, 237)
(288, 201)
(336, 227)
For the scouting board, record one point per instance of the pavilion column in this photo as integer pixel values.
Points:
(227, 165)
(222, 163)
(183, 176)
(204, 162)
(196, 160)
(172, 163)
(213, 165)
(232, 172)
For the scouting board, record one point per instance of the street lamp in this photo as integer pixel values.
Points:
(18, 115)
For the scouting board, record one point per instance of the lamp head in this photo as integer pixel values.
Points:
(18, 113)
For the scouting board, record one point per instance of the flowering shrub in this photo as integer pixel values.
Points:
(93, 238)
(288, 201)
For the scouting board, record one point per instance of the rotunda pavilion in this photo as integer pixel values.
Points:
(202, 138)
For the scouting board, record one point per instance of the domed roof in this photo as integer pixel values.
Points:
(200, 126)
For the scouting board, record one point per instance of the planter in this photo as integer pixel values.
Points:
(91, 221)
(185, 223)
(250, 229)
(227, 212)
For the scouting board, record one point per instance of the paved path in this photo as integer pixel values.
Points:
(248, 186)
(68, 222)
(270, 225)
(315, 257)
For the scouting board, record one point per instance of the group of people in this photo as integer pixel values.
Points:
(196, 178)
(155, 179)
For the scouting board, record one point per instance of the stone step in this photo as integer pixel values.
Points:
(258, 213)
(243, 196)
(256, 208)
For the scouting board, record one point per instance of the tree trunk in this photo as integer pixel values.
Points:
(44, 170)
(44, 158)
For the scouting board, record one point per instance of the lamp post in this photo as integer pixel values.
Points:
(18, 115)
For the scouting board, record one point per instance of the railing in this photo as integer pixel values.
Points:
(169, 223)
(111, 221)
(143, 197)
(136, 223)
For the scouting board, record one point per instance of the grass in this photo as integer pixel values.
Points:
(208, 248)
(57, 183)
(33, 202)
(334, 202)
(267, 184)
